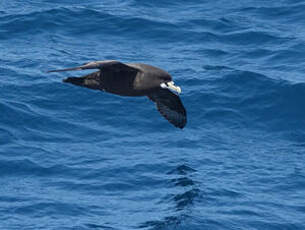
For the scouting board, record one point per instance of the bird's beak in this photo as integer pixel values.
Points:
(171, 86)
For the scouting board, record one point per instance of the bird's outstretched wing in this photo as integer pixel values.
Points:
(112, 76)
(107, 64)
(170, 107)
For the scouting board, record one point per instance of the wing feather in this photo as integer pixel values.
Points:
(107, 64)
(170, 107)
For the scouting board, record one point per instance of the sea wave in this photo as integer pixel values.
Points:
(250, 99)
(74, 158)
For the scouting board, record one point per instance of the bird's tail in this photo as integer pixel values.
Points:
(75, 80)
(91, 81)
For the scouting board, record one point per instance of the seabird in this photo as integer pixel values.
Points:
(134, 79)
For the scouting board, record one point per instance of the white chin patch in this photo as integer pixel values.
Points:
(163, 85)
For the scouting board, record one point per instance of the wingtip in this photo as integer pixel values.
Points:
(63, 70)
(181, 126)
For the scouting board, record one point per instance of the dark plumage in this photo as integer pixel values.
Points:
(134, 79)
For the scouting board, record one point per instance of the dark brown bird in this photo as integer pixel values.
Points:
(134, 79)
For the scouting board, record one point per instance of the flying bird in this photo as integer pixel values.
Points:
(134, 79)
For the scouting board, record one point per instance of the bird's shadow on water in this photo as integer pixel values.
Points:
(182, 201)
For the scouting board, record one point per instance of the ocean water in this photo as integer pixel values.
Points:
(74, 158)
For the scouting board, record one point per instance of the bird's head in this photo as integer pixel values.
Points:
(166, 82)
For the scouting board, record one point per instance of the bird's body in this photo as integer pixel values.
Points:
(134, 79)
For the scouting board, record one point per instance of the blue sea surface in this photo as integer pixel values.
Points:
(74, 158)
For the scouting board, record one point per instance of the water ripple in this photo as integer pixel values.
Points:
(73, 158)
